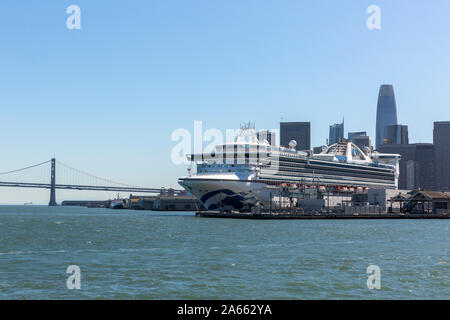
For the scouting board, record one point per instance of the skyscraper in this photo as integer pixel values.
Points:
(441, 141)
(362, 142)
(416, 164)
(352, 135)
(386, 111)
(298, 131)
(395, 134)
(267, 135)
(336, 132)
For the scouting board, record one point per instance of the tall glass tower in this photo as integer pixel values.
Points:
(336, 132)
(386, 111)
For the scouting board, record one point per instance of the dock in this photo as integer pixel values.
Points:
(310, 216)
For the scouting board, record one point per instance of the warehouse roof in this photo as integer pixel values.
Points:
(431, 195)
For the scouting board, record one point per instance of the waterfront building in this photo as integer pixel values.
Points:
(352, 135)
(417, 169)
(267, 135)
(396, 134)
(86, 203)
(336, 132)
(386, 111)
(166, 202)
(298, 131)
(382, 197)
(441, 140)
(428, 202)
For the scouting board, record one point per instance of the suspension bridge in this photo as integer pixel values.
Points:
(70, 179)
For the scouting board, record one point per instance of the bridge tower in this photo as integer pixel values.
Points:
(52, 184)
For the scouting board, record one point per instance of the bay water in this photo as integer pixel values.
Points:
(128, 254)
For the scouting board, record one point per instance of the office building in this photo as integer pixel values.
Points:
(362, 142)
(425, 177)
(267, 135)
(396, 134)
(386, 111)
(298, 131)
(416, 165)
(336, 133)
(352, 135)
(441, 141)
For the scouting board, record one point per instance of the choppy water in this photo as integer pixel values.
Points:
(151, 255)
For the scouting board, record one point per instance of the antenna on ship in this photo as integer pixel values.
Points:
(292, 144)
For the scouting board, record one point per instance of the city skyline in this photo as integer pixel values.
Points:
(116, 84)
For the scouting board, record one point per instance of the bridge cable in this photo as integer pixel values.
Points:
(96, 177)
(29, 167)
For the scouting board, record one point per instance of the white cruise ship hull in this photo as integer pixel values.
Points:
(225, 193)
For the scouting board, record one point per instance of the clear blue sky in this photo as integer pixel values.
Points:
(106, 98)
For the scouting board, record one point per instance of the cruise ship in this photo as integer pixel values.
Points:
(246, 172)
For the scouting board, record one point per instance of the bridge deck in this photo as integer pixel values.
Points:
(81, 187)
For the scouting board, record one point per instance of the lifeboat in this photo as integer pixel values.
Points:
(322, 188)
(344, 189)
